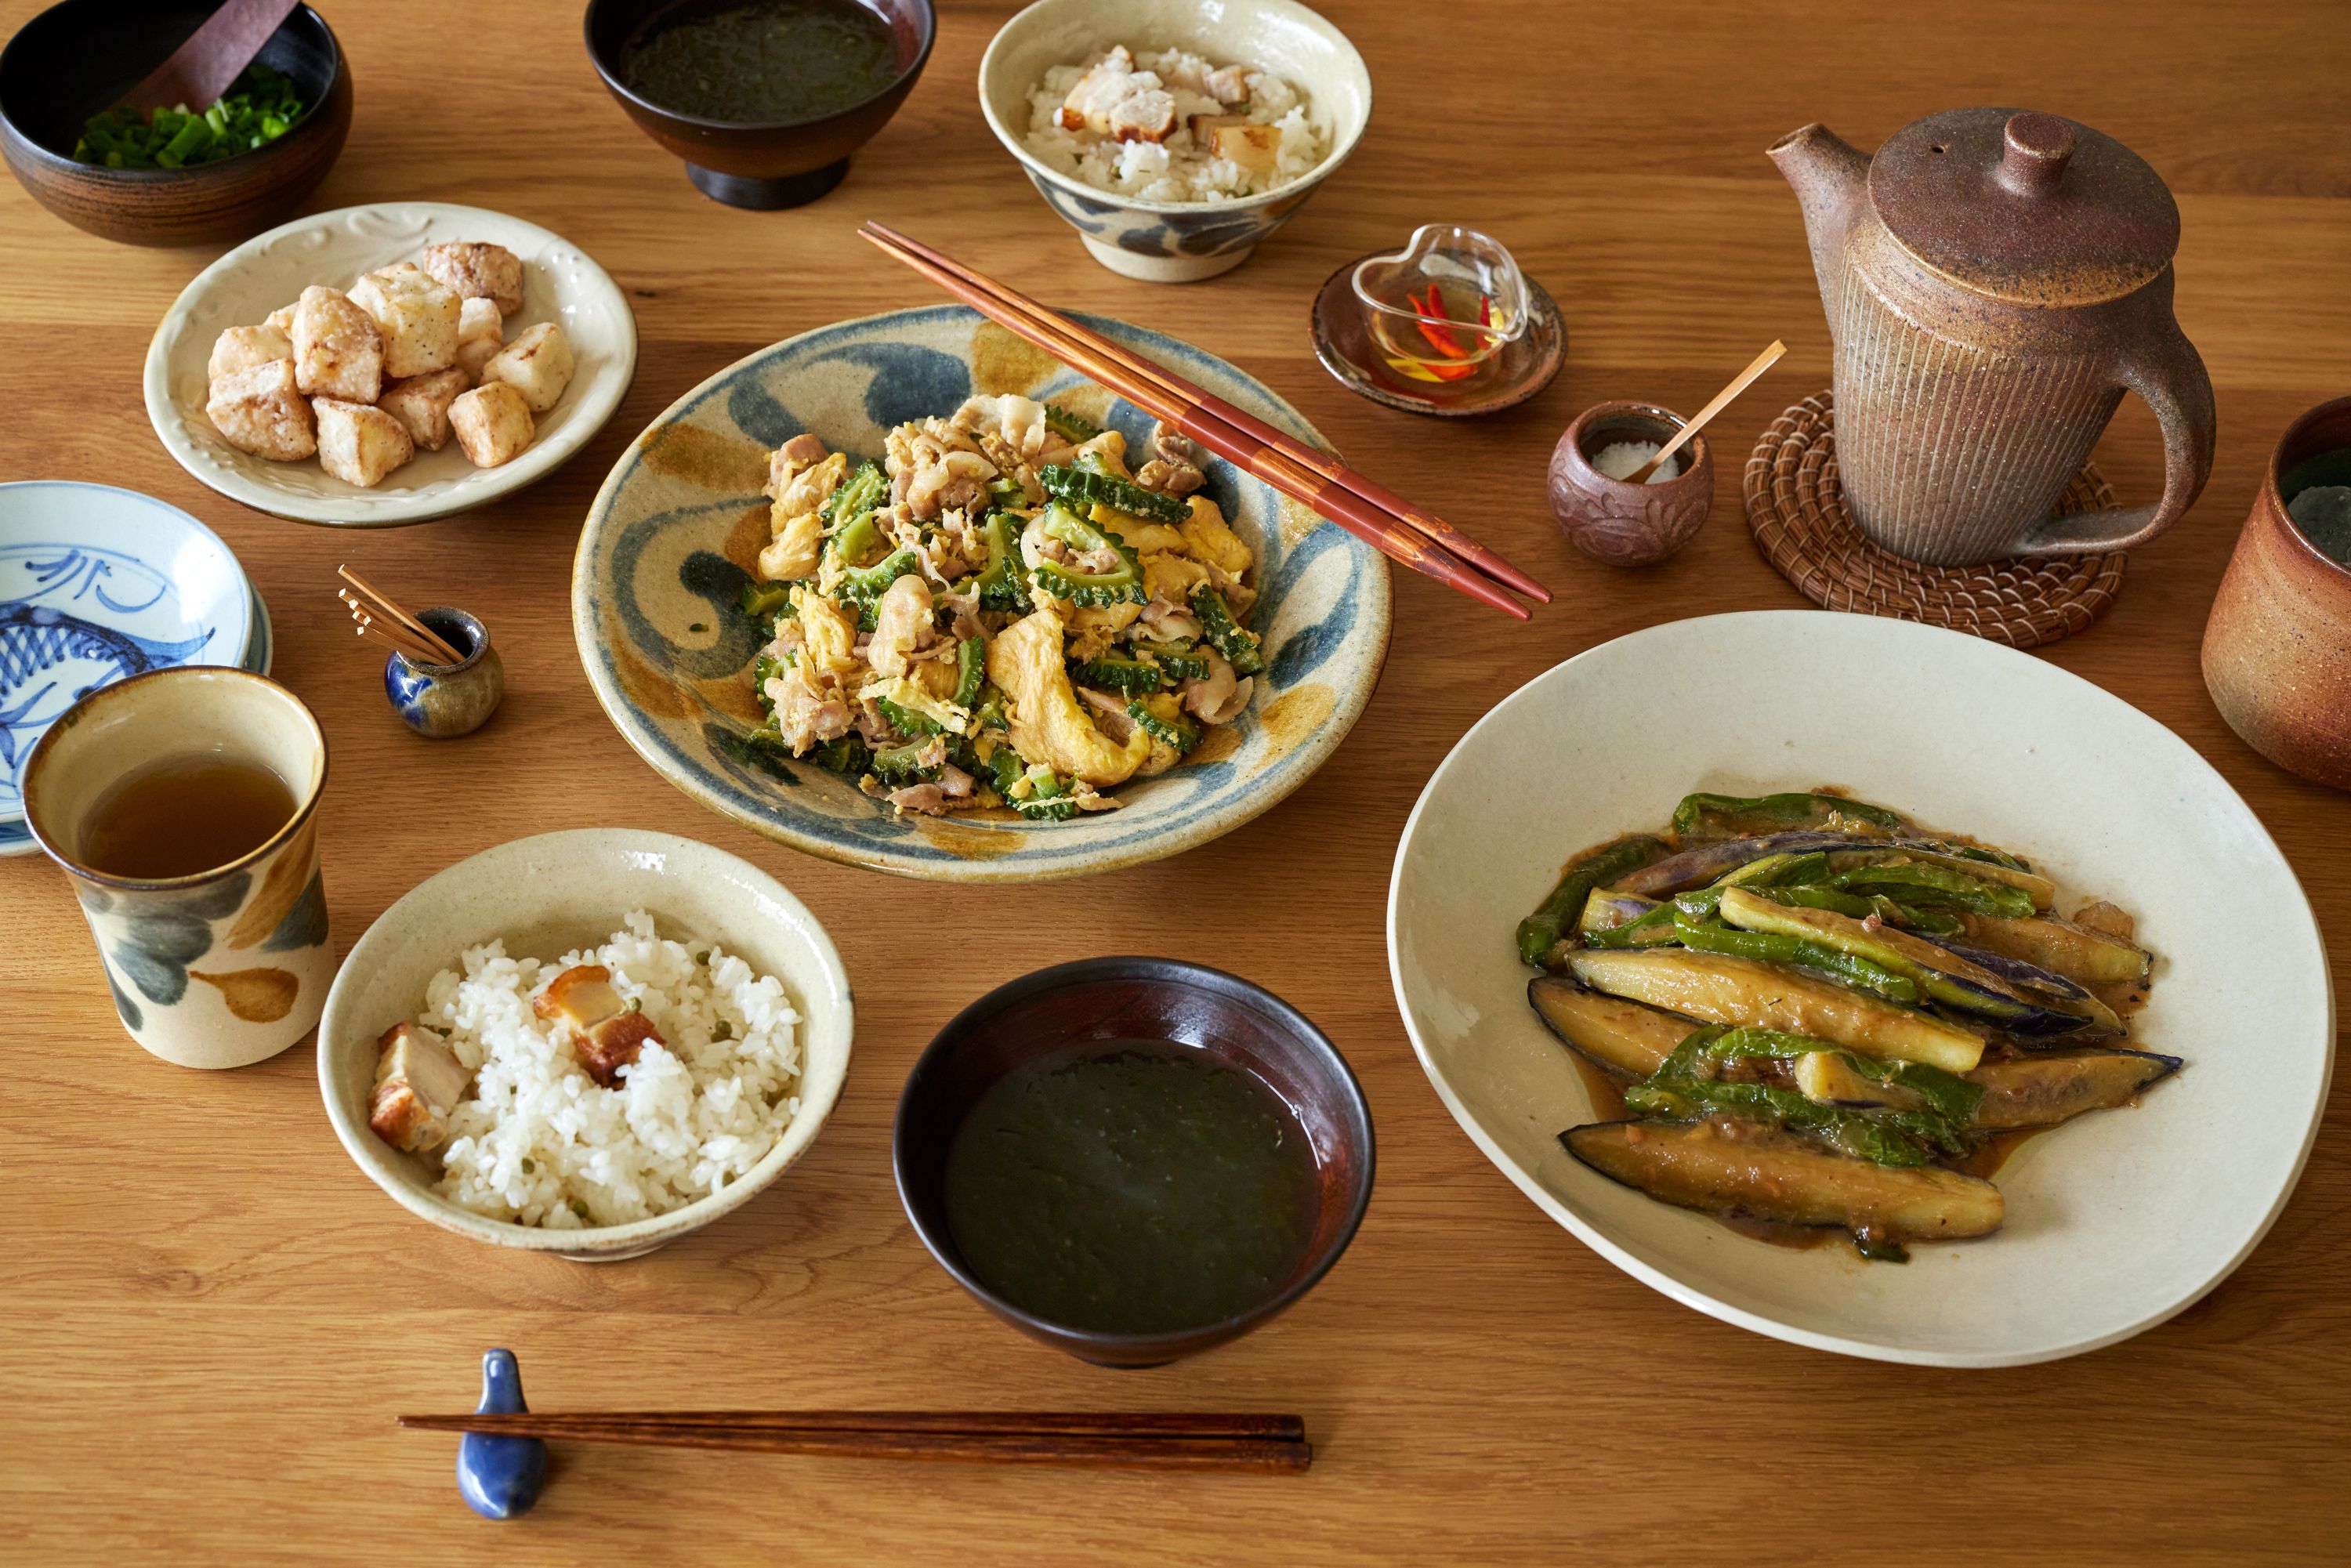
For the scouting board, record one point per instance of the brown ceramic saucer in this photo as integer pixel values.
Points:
(1342, 341)
(1138, 999)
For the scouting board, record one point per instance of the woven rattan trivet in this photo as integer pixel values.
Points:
(1798, 516)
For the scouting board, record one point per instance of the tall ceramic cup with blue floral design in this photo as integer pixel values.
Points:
(227, 965)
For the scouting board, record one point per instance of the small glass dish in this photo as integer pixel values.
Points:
(1443, 305)
(1447, 326)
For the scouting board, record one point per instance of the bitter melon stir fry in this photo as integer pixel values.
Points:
(999, 613)
(1821, 1015)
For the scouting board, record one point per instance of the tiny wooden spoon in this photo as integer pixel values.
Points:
(1762, 362)
(215, 55)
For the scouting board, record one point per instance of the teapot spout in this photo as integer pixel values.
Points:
(1829, 174)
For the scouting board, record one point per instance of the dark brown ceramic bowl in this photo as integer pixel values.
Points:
(78, 59)
(1622, 524)
(1138, 999)
(783, 163)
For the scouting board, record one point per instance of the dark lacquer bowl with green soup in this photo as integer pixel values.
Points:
(765, 100)
(1134, 1159)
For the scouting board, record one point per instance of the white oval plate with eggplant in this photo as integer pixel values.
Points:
(2113, 1221)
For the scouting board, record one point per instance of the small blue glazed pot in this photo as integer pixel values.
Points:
(442, 702)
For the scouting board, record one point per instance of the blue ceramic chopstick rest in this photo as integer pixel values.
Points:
(501, 1477)
(442, 702)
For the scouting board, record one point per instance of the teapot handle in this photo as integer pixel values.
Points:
(2169, 376)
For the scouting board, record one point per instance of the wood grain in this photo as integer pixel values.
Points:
(210, 1317)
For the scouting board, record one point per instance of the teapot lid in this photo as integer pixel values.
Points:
(2024, 206)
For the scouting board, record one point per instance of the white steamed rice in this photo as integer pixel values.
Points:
(538, 1142)
(1178, 169)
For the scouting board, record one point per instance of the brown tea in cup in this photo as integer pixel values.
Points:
(185, 815)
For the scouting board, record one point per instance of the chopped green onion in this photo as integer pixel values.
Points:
(263, 108)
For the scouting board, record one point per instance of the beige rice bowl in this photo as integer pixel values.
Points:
(537, 1142)
(1110, 151)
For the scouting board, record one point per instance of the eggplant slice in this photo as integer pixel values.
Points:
(1624, 1039)
(1750, 1171)
(1719, 988)
(2079, 954)
(2049, 1087)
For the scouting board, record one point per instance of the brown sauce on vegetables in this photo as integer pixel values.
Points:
(1608, 1094)
(1991, 1152)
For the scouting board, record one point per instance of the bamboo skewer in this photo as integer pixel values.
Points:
(1739, 383)
(1405, 533)
(439, 649)
(1260, 1445)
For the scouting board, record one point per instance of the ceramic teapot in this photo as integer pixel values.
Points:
(1994, 282)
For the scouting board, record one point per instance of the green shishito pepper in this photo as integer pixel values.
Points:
(261, 107)
(1225, 632)
(1848, 1132)
(1776, 871)
(1950, 1100)
(1860, 906)
(1680, 1090)
(1772, 947)
(1541, 932)
(1090, 590)
(1088, 485)
(1920, 883)
(1699, 818)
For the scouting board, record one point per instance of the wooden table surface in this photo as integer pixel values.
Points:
(208, 1316)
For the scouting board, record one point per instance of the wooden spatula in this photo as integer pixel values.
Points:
(215, 55)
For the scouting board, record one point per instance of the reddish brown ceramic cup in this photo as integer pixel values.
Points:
(2277, 649)
(1138, 999)
(1622, 524)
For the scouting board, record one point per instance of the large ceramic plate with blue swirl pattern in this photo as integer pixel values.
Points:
(675, 532)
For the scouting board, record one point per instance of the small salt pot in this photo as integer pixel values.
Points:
(1624, 524)
(441, 702)
(501, 1477)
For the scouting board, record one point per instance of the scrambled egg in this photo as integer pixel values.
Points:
(1049, 725)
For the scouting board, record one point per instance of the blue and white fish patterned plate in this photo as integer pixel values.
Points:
(675, 532)
(98, 583)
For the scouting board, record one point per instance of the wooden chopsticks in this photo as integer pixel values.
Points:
(1397, 528)
(1242, 1444)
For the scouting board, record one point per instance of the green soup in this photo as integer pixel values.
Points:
(1131, 1187)
(757, 62)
